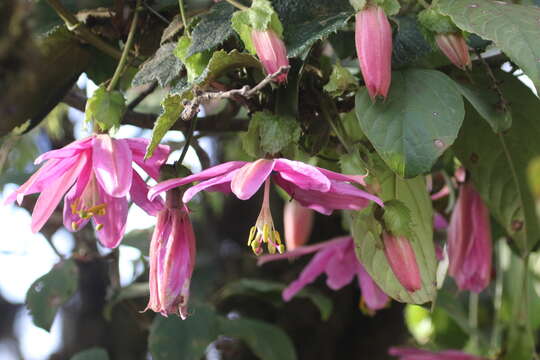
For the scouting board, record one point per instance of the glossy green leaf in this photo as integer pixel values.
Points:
(91, 354)
(213, 29)
(267, 341)
(515, 29)
(174, 338)
(164, 67)
(195, 64)
(409, 44)
(369, 247)
(264, 288)
(418, 121)
(305, 23)
(51, 291)
(498, 162)
(105, 108)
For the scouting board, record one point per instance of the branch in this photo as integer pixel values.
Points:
(222, 122)
(191, 107)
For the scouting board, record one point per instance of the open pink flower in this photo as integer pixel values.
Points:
(97, 175)
(271, 51)
(338, 260)
(172, 259)
(469, 241)
(316, 188)
(373, 38)
(418, 354)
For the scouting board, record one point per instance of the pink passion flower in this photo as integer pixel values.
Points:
(271, 51)
(313, 187)
(373, 38)
(97, 175)
(338, 260)
(172, 259)
(417, 354)
(469, 241)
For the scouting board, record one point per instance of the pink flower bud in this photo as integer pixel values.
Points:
(298, 221)
(455, 48)
(271, 51)
(373, 37)
(402, 260)
(172, 258)
(469, 241)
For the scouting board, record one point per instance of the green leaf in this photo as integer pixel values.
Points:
(434, 21)
(105, 108)
(390, 7)
(221, 62)
(269, 133)
(480, 94)
(513, 28)
(195, 64)
(212, 30)
(51, 291)
(341, 80)
(164, 67)
(91, 354)
(397, 218)
(409, 44)
(498, 162)
(369, 248)
(257, 287)
(306, 23)
(261, 17)
(266, 341)
(416, 124)
(173, 338)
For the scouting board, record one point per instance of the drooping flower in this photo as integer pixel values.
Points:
(469, 241)
(418, 354)
(338, 260)
(97, 175)
(172, 258)
(455, 48)
(316, 188)
(271, 51)
(297, 221)
(402, 260)
(373, 37)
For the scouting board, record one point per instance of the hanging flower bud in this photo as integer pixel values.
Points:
(172, 258)
(469, 241)
(402, 260)
(298, 221)
(455, 48)
(373, 36)
(271, 51)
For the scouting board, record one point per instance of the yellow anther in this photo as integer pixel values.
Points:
(266, 232)
(74, 226)
(256, 247)
(277, 237)
(99, 227)
(281, 248)
(252, 232)
(74, 206)
(98, 209)
(271, 248)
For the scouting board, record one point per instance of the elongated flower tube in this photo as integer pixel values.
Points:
(373, 37)
(455, 48)
(418, 354)
(297, 221)
(97, 175)
(172, 258)
(469, 241)
(313, 187)
(271, 51)
(402, 260)
(338, 260)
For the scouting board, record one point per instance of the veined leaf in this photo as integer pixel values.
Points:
(164, 67)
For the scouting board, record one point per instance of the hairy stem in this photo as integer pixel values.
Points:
(237, 4)
(183, 15)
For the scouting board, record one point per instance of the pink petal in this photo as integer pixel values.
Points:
(203, 175)
(50, 197)
(302, 175)
(249, 178)
(139, 195)
(341, 269)
(67, 151)
(114, 220)
(112, 165)
(151, 165)
(342, 177)
(218, 183)
(373, 296)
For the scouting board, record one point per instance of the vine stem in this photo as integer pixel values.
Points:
(237, 4)
(183, 15)
(81, 30)
(127, 47)
(473, 317)
(189, 138)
